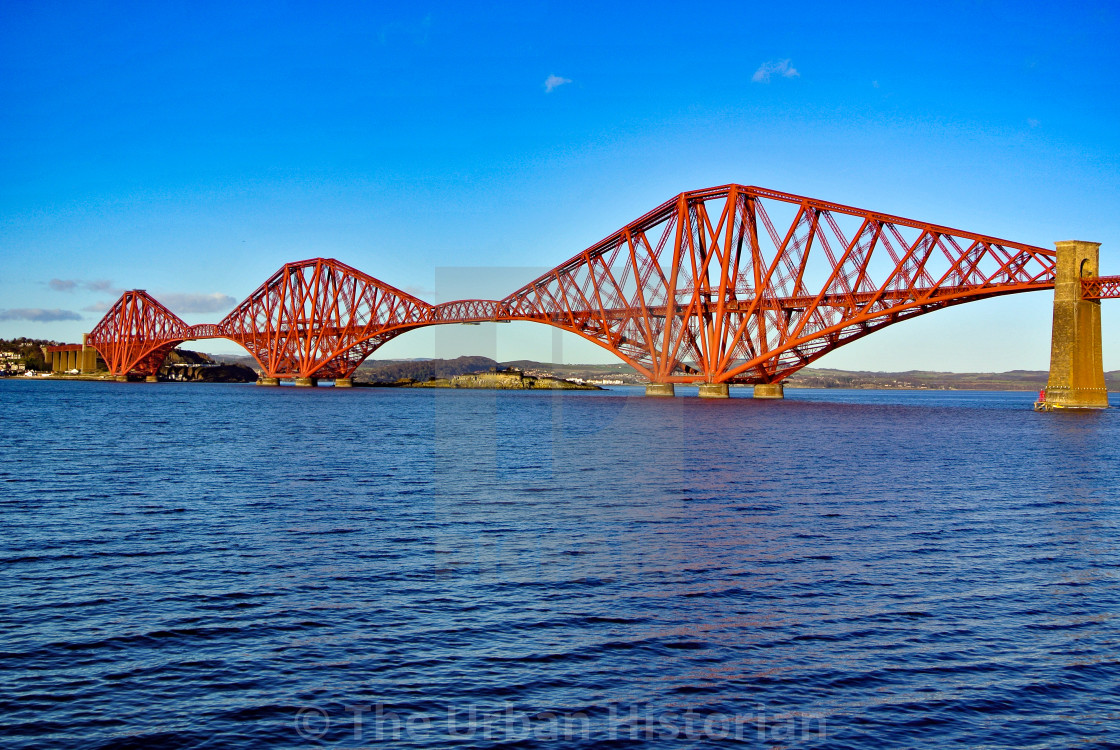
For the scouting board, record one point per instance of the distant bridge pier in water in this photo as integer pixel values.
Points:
(769, 390)
(1076, 363)
(302, 382)
(714, 390)
(718, 390)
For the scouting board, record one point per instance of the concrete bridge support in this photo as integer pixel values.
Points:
(307, 382)
(660, 389)
(343, 383)
(714, 390)
(769, 390)
(1076, 366)
(265, 380)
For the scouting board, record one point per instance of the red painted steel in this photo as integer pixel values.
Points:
(321, 318)
(137, 333)
(704, 288)
(1101, 287)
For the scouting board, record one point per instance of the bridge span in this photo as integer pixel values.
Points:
(732, 284)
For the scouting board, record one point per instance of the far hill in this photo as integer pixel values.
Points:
(1013, 380)
(382, 370)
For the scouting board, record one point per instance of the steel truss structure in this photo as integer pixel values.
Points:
(1101, 287)
(321, 318)
(732, 284)
(138, 332)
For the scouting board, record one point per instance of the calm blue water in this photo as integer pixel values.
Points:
(218, 566)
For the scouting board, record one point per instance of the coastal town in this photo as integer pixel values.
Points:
(24, 357)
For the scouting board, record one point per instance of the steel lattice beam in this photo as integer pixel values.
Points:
(1101, 287)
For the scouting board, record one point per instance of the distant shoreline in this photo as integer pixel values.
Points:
(478, 372)
(443, 373)
(445, 383)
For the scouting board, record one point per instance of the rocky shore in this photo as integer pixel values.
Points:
(185, 366)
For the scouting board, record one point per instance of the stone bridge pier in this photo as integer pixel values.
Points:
(1076, 365)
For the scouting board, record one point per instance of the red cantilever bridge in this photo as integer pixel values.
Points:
(731, 284)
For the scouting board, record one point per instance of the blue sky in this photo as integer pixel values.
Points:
(191, 149)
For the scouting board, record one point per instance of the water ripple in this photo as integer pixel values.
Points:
(224, 566)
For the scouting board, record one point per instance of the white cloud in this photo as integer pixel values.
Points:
(71, 285)
(179, 303)
(197, 303)
(39, 315)
(772, 68)
(418, 291)
(101, 285)
(554, 82)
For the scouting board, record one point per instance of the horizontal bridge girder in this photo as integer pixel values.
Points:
(1101, 287)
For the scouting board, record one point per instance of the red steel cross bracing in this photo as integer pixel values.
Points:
(1101, 287)
(732, 284)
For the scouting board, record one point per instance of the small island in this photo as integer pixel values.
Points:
(502, 380)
